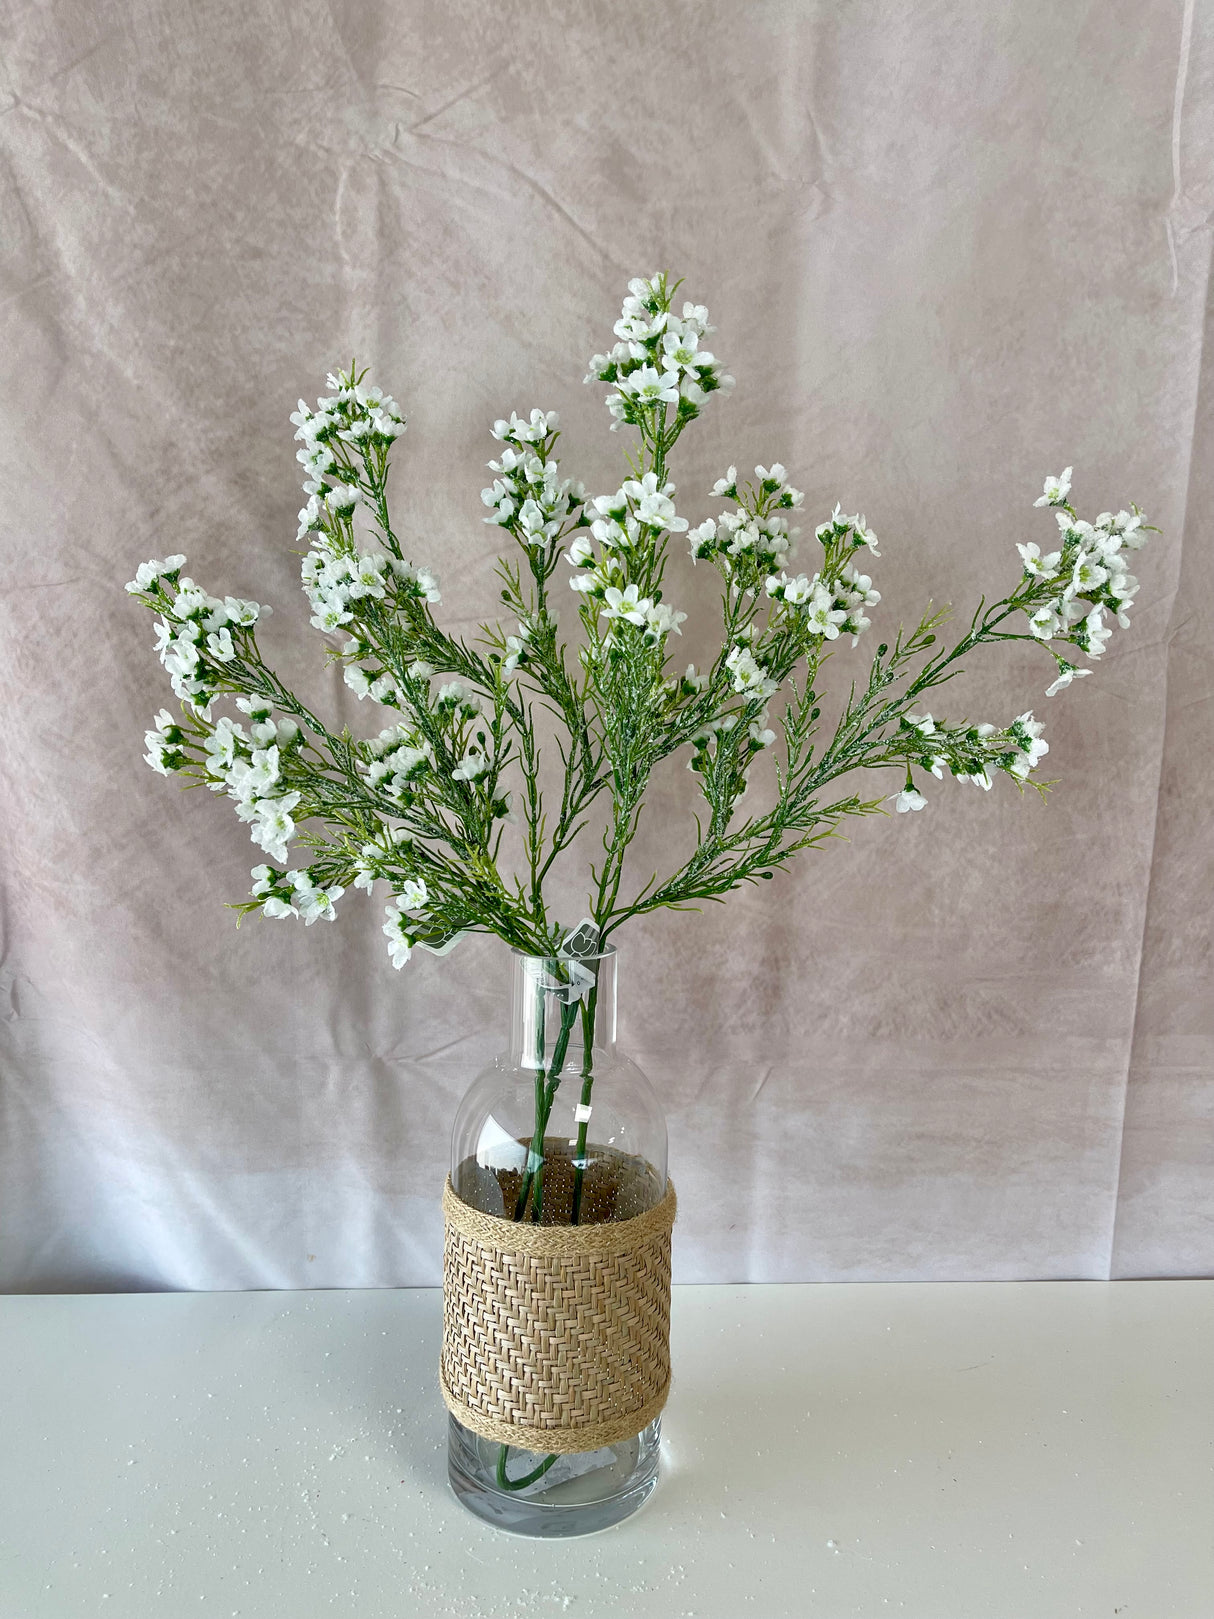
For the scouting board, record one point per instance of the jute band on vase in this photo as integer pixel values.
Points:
(556, 1338)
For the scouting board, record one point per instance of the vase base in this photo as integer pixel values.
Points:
(578, 1495)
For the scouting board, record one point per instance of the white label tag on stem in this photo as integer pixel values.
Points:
(582, 1112)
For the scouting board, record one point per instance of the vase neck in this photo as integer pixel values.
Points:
(551, 994)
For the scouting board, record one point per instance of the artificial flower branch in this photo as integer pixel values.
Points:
(424, 805)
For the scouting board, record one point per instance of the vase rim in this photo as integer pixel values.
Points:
(605, 954)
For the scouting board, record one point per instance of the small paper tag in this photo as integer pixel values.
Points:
(582, 1112)
(443, 949)
(581, 941)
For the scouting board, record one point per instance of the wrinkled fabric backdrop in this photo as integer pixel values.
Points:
(947, 249)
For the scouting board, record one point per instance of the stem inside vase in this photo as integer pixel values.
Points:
(545, 1094)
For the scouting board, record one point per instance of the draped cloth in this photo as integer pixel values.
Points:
(947, 250)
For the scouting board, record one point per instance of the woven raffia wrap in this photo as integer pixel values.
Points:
(556, 1338)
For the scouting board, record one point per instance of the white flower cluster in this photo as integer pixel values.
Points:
(623, 523)
(400, 757)
(335, 583)
(410, 902)
(827, 610)
(854, 530)
(165, 744)
(369, 867)
(248, 766)
(397, 759)
(195, 631)
(748, 676)
(753, 541)
(759, 736)
(147, 574)
(294, 893)
(970, 753)
(658, 360)
(528, 495)
(362, 418)
(1092, 577)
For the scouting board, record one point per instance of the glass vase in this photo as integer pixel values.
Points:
(561, 1129)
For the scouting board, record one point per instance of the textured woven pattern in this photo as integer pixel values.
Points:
(556, 1338)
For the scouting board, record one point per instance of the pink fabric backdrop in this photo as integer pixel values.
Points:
(948, 248)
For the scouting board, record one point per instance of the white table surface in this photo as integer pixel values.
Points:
(1036, 1450)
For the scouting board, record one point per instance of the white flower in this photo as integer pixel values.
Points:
(343, 497)
(839, 524)
(649, 387)
(330, 618)
(922, 722)
(1124, 587)
(1027, 732)
(656, 510)
(761, 735)
(220, 647)
(192, 601)
(580, 551)
(315, 903)
(1045, 622)
(627, 604)
(909, 799)
(413, 895)
(1037, 566)
(242, 612)
(1056, 490)
(400, 941)
(1088, 574)
(368, 577)
(702, 539)
(264, 878)
(385, 690)
(1128, 526)
(861, 593)
(679, 349)
(1067, 673)
(823, 618)
(748, 674)
(255, 779)
(690, 389)
(727, 487)
(662, 619)
(455, 698)
(473, 764)
(163, 744)
(1093, 635)
(223, 744)
(180, 658)
(274, 826)
(793, 591)
(147, 573)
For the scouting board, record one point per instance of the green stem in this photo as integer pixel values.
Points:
(579, 1160)
(568, 1013)
(545, 1093)
(504, 1483)
(546, 1084)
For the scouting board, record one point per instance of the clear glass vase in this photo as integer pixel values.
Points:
(563, 1129)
